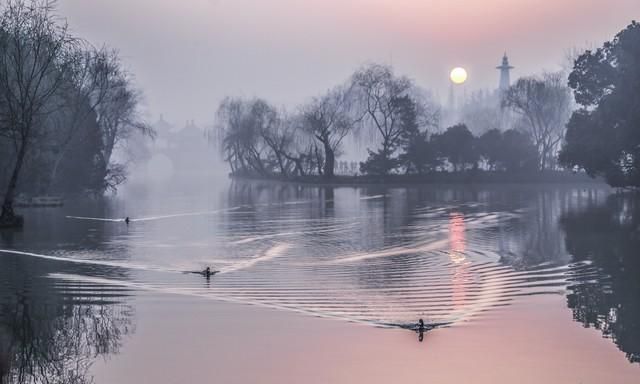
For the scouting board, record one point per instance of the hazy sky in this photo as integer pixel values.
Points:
(188, 54)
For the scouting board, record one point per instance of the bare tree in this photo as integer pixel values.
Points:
(482, 112)
(88, 87)
(379, 91)
(303, 149)
(283, 138)
(229, 118)
(34, 63)
(329, 119)
(116, 104)
(273, 134)
(545, 104)
(244, 124)
(259, 139)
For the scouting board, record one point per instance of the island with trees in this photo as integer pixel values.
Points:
(67, 108)
(552, 127)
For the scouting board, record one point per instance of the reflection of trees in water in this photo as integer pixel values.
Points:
(609, 236)
(49, 226)
(535, 238)
(268, 201)
(53, 336)
(250, 192)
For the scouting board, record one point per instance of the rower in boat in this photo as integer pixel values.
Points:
(207, 272)
(421, 330)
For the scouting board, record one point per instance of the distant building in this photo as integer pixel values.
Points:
(505, 73)
(162, 127)
(187, 148)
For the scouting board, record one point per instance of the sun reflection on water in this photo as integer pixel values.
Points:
(458, 259)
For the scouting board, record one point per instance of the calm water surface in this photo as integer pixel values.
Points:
(380, 256)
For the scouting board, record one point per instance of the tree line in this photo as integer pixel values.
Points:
(65, 107)
(586, 121)
(260, 139)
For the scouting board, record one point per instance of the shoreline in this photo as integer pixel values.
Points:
(435, 178)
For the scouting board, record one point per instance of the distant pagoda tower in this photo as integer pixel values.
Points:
(505, 73)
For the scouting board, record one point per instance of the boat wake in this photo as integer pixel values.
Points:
(153, 218)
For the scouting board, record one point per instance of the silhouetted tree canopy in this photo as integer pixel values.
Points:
(458, 146)
(65, 107)
(329, 119)
(418, 156)
(258, 139)
(401, 123)
(511, 150)
(35, 61)
(382, 97)
(545, 105)
(490, 146)
(603, 136)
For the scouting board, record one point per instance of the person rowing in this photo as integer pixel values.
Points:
(421, 330)
(208, 272)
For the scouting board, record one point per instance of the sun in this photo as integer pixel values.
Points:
(458, 75)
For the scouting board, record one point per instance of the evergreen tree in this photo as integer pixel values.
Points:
(603, 136)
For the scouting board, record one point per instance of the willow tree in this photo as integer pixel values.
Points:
(35, 59)
(245, 124)
(545, 104)
(89, 85)
(118, 117)
(329, 119)
(379, 90)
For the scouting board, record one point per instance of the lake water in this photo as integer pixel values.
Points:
(79, 288)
